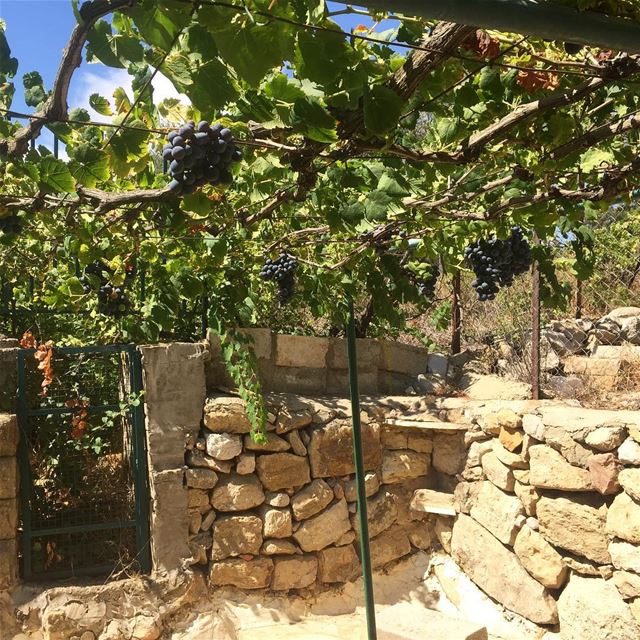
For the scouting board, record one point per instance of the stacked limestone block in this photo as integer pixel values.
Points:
(8, 500)
(282, 514)
(548, 501)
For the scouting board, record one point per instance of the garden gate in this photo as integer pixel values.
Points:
(84, 496)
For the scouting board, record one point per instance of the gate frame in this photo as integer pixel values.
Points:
(142, 495)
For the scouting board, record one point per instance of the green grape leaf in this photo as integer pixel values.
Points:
(197, 203)
(99, 45)
(382, 108)
(89, 165)
(310, 117)
(55, 176)
(100, 104)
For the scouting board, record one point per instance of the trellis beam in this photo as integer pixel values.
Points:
(528, 17)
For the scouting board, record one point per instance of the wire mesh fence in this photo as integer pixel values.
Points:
(589, 325)
(83, 480)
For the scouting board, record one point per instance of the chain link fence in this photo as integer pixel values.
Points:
(589, 326)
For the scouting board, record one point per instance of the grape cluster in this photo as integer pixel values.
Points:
(572, 48)
(497, 262)
(282, 270)
(427, 285)
(112, 300)
(200, 154)
(10, 224)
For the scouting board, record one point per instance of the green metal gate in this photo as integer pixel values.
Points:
(84, 494)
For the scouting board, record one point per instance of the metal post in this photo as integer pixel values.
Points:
(204, 318)
(365, 556)
(456, 320)
(55, 147)
(535, 326)
(141, 476)
(578, 298)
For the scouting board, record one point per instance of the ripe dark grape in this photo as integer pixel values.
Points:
(10, 225)
(200, 154)
(112, 301)
(427, 285)
(572, 48)
(497, 262)
(282, 271)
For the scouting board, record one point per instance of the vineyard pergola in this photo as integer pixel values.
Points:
(402, 136)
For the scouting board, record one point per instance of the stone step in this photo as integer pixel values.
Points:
(410, 621)
(435, 425)
(430, 501)
(402, 621)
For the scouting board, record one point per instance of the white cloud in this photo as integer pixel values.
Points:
(87, 82)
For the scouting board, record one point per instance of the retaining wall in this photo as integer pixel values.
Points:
(310, 365)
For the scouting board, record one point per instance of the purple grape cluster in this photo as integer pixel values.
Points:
(10, 225)
(497, 262)
(200, 154)
(282, 270)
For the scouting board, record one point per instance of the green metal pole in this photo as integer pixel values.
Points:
(541, 19)
(365, 556)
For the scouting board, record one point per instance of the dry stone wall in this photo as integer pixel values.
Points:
(547, 513)
(282, 514)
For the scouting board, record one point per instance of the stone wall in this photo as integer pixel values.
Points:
(8, 500)
(174, 393)
(536, 502)
(282, 514)
(310, 365)
(547, 502)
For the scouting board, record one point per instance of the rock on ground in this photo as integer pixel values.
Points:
(498, 572)
(592, 609)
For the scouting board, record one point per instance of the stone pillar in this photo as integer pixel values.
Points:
(175, 391)
(8, 500)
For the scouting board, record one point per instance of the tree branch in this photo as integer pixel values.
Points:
(477, 142)
(105, 201)
(591, 138)
(55, 107)
(441, 42)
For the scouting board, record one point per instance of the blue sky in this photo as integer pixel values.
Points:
(37, 31)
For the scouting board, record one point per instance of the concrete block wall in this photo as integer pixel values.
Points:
(318, 365)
